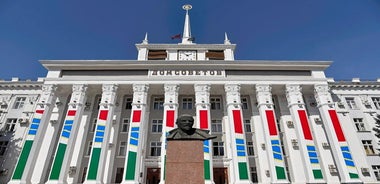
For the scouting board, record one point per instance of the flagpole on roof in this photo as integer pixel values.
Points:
(186, 36)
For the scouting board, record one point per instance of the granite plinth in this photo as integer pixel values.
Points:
(184, 162)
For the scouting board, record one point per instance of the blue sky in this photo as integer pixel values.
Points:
(346, 32)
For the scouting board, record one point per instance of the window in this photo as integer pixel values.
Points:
(216, 103)
(244, 103)
(3, 147)
(98, 99)
(93, 125)
(187, 103)
(125, 125)
(157, 125)
(216, 126)
(376, 102)
(10, 125)
(122, 148)
(128, 103)
(250, 149)
(376, 170)
(158, 103)
(368, 147)
(247, 125)
(359, 124)
(19, 103)
(218, 148)
(253, 171)
(155, 149)
(351, 103)
(89, 147)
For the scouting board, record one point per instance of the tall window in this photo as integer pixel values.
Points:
(89, 147)
(93, 125)
(125, 125)
(351, 103)
(250, 150)
(244, 103)
(216, 126)
(3, 147)
(376, 102)
(187, 103)
(122, 148)
(247, 125)
(218, 148)
(359, 124)
(19, 103)
(368, 147)
(376, 170)
(155, 149)
(128, 103)
(158, 103)
(10, 125)
(253, 174)
(216, 103)
(157, 125)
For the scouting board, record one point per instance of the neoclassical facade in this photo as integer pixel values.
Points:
(105, 121)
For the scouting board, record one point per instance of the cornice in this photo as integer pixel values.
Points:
(186, 46)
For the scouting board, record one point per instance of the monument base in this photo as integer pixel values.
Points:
(184, 162)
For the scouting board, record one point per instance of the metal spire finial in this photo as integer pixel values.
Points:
(226, 40)
(186, 36)
(145, 41)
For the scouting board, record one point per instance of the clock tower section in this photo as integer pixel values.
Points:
(187, 50)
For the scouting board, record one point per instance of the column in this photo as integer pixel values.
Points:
(306, 143)
(63, 154)
(170, 116)
(100, 141)
(202, 104)
(30, 150)
(271, 135)
(238, 143)
(134, 155)
(338, 144)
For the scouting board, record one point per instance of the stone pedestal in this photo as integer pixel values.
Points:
(184, 162)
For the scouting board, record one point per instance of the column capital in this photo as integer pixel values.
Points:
(202, 87)
(109, 87)
(79, 87)
(140, 87)
(48, 90)
(232, 88)
(294, 95)
(322, 95)
(78, 96)
(263, 88)
(171, 87)
(264, 95)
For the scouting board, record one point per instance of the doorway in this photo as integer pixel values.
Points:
(153, 176)
(220, 175)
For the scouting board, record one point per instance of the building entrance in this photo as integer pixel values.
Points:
(153, 176)
(220, 176)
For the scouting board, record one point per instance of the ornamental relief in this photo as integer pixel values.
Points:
(171, 88)
(140, 87)
(79, 87)
(202, 88)
(109, 87)
(263, 88)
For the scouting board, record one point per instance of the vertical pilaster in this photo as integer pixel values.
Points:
(202, 104)
(271, 134)
(60, 167)
(30, 150)
(170, 116)
(306, 143)
(100, 145)
(136, 131)
(338, 144)
(238, 143)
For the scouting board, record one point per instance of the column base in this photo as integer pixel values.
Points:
(17, 182)
(55, 182)
(209, 182)
(131, 182)
(92, 182)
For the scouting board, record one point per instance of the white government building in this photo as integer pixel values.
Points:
(105, 121)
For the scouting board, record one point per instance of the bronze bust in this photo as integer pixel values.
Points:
(185, 130)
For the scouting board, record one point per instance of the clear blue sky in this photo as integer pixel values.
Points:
(346, 32)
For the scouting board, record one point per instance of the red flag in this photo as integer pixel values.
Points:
(177, 36)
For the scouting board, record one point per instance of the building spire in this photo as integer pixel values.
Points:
(226, 40)
(145, 41)
(186, 36)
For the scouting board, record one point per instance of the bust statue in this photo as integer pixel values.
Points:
(185, 130)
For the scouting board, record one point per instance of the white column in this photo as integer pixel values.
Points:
(100, 144)
(238, 142)
(134, 156)
(338, 143)
(33, 143)
(170, 116)
(305, 142)
(273, 148)
(202, 104)
(60, 167)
